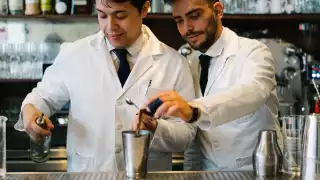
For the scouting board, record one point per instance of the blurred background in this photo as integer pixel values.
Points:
(31, 32)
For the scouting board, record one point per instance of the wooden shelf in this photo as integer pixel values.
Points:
(19, 80)
(48, 17)
(72, 17)
(273, 17)
(165, 16)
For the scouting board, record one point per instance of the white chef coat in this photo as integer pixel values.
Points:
(240, 100)
(84, 73)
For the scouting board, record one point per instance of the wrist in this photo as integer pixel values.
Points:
(195, 114)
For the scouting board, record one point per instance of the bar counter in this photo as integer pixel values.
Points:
(172, 175)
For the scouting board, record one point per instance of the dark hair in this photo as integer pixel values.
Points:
(136, 3)
(171, 1)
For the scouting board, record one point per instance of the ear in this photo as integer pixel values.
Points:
(145, 9)
(218, 9)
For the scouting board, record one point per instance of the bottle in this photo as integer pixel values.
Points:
(46, 7)
(32, 7)
(40, 148)
(81, 7)
(267, 156)
(3, 7)
(157, 6)
(93, 8)
(16, 7)
(316, 106)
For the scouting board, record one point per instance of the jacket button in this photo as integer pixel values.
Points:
(119, 103)
(118, 149)
(216, 144)
(118, 126)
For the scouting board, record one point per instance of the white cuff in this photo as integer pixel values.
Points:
(19, 126)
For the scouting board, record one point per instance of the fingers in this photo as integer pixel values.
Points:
(176, 111)
(30, 114)
(160, 95)
(33, 129)
(173, 110)
(162, 110)
(147, 123)
(49, 124)
(135, 122)
(38, 130)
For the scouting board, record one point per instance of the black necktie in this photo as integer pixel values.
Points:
(204, 63)
(124, 68)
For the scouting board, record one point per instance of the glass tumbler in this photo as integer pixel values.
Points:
(292, 131)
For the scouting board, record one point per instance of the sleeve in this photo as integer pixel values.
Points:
(174, 135)
(51, 93)
(192, 156)
(256, 84)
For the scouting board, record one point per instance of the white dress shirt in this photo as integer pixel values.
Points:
(133, 51)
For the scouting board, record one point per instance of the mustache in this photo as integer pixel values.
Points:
(193, 33)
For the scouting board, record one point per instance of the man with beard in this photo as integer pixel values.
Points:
(235, 79)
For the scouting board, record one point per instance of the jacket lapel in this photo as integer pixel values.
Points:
(215, 73)
(101, 52)
(195, 69)
(145, 60)
(231, 46)
(140, 68)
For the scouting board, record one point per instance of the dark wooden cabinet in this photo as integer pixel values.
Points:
(301, 30)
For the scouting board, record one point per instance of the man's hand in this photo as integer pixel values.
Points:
(29, 116)
(147, 122)
(173, 105)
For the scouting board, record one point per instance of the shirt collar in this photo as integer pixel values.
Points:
(216, 48)
(135, 48)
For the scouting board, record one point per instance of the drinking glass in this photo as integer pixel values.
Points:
(292, 131)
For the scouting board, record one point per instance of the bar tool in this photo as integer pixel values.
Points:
(267, 156)
(136, 150)
(129, 102)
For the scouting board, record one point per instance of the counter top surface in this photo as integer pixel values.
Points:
(172, 175)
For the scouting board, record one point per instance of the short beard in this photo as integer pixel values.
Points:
(210, 35)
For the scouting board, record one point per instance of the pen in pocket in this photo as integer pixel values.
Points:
(145, 94)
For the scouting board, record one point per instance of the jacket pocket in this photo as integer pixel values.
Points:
(244, 162)
(81, 161)
(209, 165)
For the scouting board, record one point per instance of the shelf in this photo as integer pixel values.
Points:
(165, 16)
(19, 80)
(48, 17)
(273, 17)
(72, 17)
